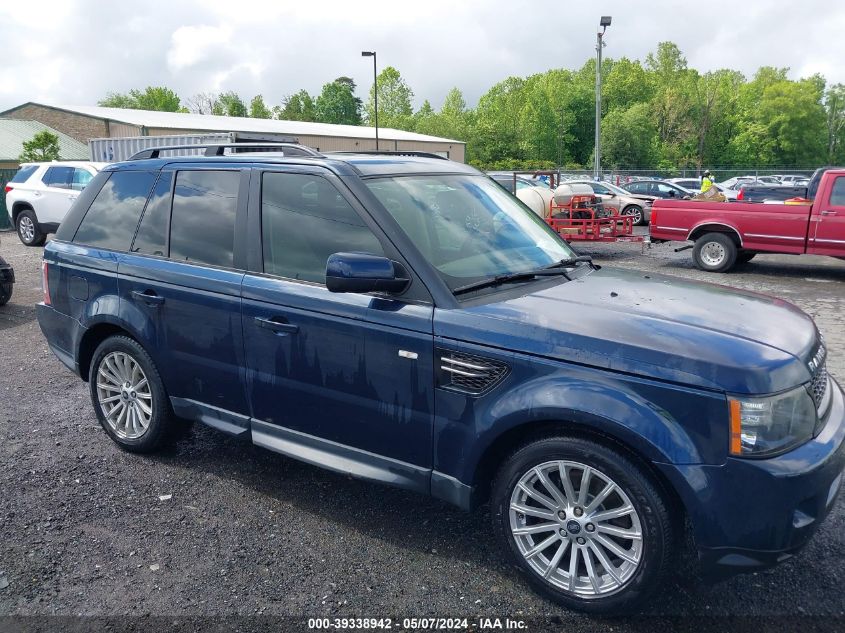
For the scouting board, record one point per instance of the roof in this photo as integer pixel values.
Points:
(213, 123)
(13, 134)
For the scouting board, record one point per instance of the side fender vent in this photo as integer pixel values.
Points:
(473, 375)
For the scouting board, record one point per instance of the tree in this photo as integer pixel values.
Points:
(258, 109)
(629, 137)
(835, 107)
(231, 104)
(297, 107)
(205, 103)
(337, 103)
(151, 98)
(394, 100)
(44, 146)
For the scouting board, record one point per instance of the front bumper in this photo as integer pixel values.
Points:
(750, 514)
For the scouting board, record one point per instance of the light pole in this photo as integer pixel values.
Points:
(603, 23)
(375, 87)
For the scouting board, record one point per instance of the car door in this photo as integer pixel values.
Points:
(343, 380)
(180, 289)
(57, 194)
(828, 238)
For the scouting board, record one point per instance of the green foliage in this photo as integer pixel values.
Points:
(230, 104)
(337, 103)
(258, 109)
(43, 146)
(151, 98)
(394, 101)
(297, 107)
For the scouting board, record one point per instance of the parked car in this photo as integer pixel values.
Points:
(736, 182)
(726, 234)
(625, 202)
(514, 183)
(7, 281)
(39, 195)
(658, 189)
(403, 319)
(693, 184)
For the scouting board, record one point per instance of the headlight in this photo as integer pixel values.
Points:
(761, 427)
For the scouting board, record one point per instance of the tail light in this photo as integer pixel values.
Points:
(8, 188)
(653, 219)
(45, 282)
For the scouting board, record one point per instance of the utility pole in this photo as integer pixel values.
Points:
(375, 88)
(604, 23)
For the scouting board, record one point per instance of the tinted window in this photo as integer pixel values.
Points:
(600, 189)
(152, 234)
(202, 228)
(81, 178)
(837, 196)
(304, 220)
(637, 187)
(113, 216)
(24, 173)
(58, 177)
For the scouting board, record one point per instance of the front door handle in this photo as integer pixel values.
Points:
(148, 296)
(279, 325)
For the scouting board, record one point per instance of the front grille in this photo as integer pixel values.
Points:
(469, 374)
(818, 386)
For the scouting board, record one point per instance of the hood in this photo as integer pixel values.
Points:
(687, 332)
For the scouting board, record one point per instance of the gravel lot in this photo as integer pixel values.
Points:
(84, 528)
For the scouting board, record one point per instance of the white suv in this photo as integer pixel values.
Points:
(40, 194)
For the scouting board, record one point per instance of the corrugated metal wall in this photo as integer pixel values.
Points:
(5, 176)
(111, 150)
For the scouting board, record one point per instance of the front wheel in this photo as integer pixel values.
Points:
(714, 252)
(586, 525)
(635, 212)
(5, 293)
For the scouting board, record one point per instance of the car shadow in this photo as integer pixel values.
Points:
(15, 314)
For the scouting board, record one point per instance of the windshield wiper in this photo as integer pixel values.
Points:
(549, 271)
(572, 261)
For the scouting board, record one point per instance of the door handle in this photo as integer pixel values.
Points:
(828, 212)
(279, 325)
(148, 296)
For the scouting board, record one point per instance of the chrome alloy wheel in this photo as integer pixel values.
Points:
(26, 229)
(713, 254)
(576, 528)
(124, 395)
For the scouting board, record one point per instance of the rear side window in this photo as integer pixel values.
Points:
(152, 233)
(24, 173)
(837, 195)
(60, 177)
(81, 177)
(202, 227)
(113, 216)
(304, 219)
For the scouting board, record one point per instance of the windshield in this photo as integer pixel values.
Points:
(468, 227)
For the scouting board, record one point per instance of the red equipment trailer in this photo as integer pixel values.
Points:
(582, 220)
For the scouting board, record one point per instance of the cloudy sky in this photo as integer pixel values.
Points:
(75, 51)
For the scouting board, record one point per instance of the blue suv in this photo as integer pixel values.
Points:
(404, 319)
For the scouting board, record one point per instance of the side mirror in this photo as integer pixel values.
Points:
(362, 272)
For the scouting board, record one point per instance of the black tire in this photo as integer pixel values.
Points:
(637, 212)
(162, 420)
(651, 510)
(5, 293)
(714, 252)
(38, 236)
(743, 257)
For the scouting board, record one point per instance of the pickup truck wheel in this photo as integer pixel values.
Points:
(587, 527)
(636, 212)
(28, 230)
(129, 396)
(714, 252)
(5, 293)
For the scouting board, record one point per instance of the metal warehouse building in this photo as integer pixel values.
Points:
(89, 122)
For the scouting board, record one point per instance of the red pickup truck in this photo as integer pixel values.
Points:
(726, 233)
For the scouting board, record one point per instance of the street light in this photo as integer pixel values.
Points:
(375, 87)
(603, 23)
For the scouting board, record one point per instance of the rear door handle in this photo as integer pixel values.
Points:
(148, 296)
(828, 212)
(279, 325)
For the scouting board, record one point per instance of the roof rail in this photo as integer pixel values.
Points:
(217, 149)
(396, 153)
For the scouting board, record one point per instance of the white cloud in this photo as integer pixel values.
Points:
(192, 44)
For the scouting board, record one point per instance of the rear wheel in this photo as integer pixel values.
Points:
(586, 525)
(5, 293)
(714, 252)
(28, 230)
(129, 396)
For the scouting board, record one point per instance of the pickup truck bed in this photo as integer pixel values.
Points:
(727, 233)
